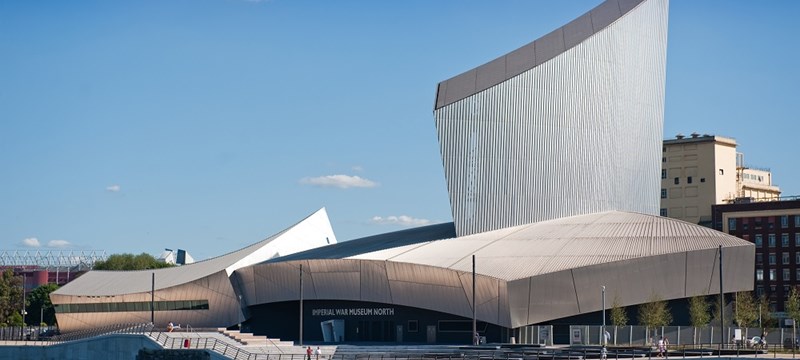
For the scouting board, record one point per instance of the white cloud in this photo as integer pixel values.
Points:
(58, 243)
(113, 188)
(340, 181)
(402, 220)
(358, 168)
(31, 242)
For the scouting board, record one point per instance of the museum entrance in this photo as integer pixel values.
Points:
(362, 322)
(375, 330)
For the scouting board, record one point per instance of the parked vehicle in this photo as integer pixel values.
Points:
(788, 344)
(47, 334)
(757, 342)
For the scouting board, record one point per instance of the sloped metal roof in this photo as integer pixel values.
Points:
(392, 240)
(567, 243)
(533, 54)
(313, 231)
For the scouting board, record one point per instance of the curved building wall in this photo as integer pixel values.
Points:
(576, 134)
(507, 303)
(419, 286)
(576, 291)
(222, 306)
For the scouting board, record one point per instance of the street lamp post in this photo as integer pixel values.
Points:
(23, 312)
(604, 340)
(240, 315)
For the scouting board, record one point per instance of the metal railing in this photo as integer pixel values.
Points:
(131, 328)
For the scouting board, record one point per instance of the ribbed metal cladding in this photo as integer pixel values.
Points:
(578, 134)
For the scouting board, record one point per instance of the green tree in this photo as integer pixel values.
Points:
(793, 305)
(698, 313)
(15, 319)
(142, 261)
(767, 320)
(715, 313)
(746, 309)
(654, 313)
(618, 315)
(38, 300)
(11, 298)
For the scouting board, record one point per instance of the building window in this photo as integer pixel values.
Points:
(785, 258)
(797, 259)
(689, 180)
(663, 193)
(759, 291)
(663, 159)
(785, 221)
(771, 240)
(773, 275)
(797, 274)
(413, 326)
(797, 220)
(772, 258)
(745, 225)
(663, 173)
(664, 213)
(785, 240)
(732, 224)
(796, 239)
(677, 181)
(721, 172)
(786, 274)
(702, 179)
(760, 259)
(759, 241)
(132, 306)
(663, 149)
(760, 275)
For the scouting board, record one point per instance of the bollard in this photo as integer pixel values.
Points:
(186, 343)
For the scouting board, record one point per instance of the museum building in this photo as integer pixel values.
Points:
(551, 155)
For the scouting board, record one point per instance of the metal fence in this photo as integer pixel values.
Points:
(674, 335)
(23, 333)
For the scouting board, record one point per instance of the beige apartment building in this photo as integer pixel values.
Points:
(703, 170)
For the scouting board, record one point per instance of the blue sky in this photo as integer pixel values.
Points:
(207, 125)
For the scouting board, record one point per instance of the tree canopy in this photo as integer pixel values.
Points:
(746, 312)
(38, 300)
(793, 305)
(618, 315)
(699, 314)
(767, 320)
(655, 312)
(11, 298)
(142, 261)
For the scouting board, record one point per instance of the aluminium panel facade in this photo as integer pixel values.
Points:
(579, 133)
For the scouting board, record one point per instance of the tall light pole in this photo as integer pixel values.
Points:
(475, 338)
(153, 299)
(23, 312)
(604, 341)
(301, 304)
(721, 302)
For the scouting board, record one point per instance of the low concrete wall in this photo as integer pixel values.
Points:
(117, 346)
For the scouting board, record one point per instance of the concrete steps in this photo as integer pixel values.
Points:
(254, 340)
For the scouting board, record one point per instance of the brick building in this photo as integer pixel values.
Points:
(774, 228)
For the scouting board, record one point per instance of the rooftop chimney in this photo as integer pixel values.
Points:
(679, 136)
